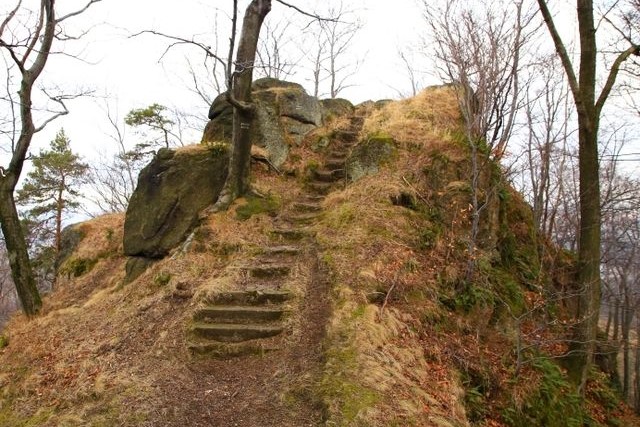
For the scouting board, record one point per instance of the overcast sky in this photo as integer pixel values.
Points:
(129, 73)
(126, 73)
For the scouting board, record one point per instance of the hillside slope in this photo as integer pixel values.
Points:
(331, 301)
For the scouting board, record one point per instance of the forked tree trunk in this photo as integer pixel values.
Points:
(238, 180)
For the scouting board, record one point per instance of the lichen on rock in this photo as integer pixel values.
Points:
(171, 191)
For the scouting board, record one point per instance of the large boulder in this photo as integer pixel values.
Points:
(369, 155)
(171, 191)
(333, 108)
(285, 113)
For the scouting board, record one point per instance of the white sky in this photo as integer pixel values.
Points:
(127, 70)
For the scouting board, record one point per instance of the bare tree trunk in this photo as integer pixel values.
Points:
(583, 89)
(17, 252)
(239, 96)
(59, 209)
(627, 318)
(637, 369)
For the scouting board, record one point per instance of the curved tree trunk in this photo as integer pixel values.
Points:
(17, 251)
(239, 96)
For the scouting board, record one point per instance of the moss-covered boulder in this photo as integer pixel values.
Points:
(369, 155)
(336, 107)
(285, 113)
(171, 191)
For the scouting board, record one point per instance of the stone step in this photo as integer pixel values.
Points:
(281, 250)
(238, 314)
(320, 187)
(235, 332)
(250, 297)
(339, 154)
(265, 271)
(230, 350)
(313, 198)
(307, 207)
(346, 135)
(334, 164)
(357, 121)
(302, 218)
(292, 233)
(324, 175)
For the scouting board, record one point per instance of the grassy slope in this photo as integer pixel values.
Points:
(403, 347)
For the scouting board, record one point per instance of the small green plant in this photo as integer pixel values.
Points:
(76, 267)
(162, 278)
(427, 239)
(258, 205)
(109, 233)
(217, 149)
(553, 403)
(4, 341)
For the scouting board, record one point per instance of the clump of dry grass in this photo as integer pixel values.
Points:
(425, 121)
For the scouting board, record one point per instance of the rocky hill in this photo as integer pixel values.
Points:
(339, 298)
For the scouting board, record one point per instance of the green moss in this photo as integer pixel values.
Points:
(552, 404)
(341, 217)
(162, 278)
(508, 291)
(4, 341)
(76, 267)
(217, 148)
(9, 418)
(258, 205)
(345, 397)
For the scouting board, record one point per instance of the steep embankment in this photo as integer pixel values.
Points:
(338, 299)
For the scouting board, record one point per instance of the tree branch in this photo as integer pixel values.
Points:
(79, 11)
(310, 15)
(562, 52)
(613, 74)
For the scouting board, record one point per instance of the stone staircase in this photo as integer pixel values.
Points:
(254, 320)
(239, 323)
(334, 168)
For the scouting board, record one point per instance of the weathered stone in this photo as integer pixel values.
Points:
(284, 114)
(299, 106)
(70, 238)
(135, 267)
(336, 107)
(367, 157)
(171, 191)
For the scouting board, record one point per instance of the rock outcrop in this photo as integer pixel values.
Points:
(369, 155)
(285, 113)
(171, 191)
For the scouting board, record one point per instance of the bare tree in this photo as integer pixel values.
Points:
(27, 39)
(478, 48)
(548, 117)
(273, 49)
(331, 61)
(582, 83)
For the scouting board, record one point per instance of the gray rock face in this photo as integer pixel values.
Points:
(336, 107)
(284, 115)
(367, 157)
(171, 191)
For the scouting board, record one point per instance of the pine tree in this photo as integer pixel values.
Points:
(51, 190)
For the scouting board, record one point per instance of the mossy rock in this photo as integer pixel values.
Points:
(285, 113)
(336, 107)
(71, 237)
(171, 192)
(369, 155)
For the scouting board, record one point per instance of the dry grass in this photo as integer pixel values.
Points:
(104, 353)
(425, 122)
